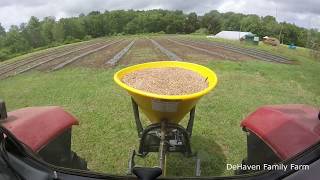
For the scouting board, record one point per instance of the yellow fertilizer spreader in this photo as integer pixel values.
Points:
(164, 134)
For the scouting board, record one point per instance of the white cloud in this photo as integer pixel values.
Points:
(286, 10)
(235, 6)
(304, 13)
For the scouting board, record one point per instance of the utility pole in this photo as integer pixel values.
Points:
(280, 34)
(280, 28)
(309, 35)
(239, 31)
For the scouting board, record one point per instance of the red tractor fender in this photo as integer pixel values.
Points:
(286, 129)
(37, 126)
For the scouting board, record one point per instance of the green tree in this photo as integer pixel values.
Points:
(94, 13)
(118, 19)
(58, 32)
(292, 33)
(47, 29)
(33, 33)
(15, 41)
(270, 26)
(73, 27)
(191, 23)
(135, 26)
(252, 23)
(2, 31)
(231, 21)
(2, 36)
(174, 22)
(93, 24)
(212, 21)
(153, 21)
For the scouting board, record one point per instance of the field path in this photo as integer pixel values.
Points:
(142, 51)
(171, 55)
(116, 58)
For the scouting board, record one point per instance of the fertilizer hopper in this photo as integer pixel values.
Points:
(165, 134)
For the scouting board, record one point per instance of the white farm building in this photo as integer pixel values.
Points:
(232, 35)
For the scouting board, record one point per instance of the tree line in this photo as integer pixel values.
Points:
(51, 32)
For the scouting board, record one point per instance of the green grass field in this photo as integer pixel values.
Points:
(107, 131)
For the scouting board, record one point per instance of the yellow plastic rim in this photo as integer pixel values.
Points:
(203, 71)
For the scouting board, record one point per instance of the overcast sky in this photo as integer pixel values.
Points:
(304, 13)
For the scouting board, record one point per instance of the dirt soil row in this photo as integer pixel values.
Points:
(186, 53)
(47, 54)
(99, 59)
(142, 51)
(17, 68)
(251, 53)
(233, 55)
(50, 65)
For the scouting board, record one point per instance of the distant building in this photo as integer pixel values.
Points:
(231, 35)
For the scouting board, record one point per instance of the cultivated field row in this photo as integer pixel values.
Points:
(48, 61)
(111, 52)
(47, 53)
(254, 53)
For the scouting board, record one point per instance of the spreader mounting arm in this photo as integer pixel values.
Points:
(137, 117)
(191, 120)
(3, 110)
